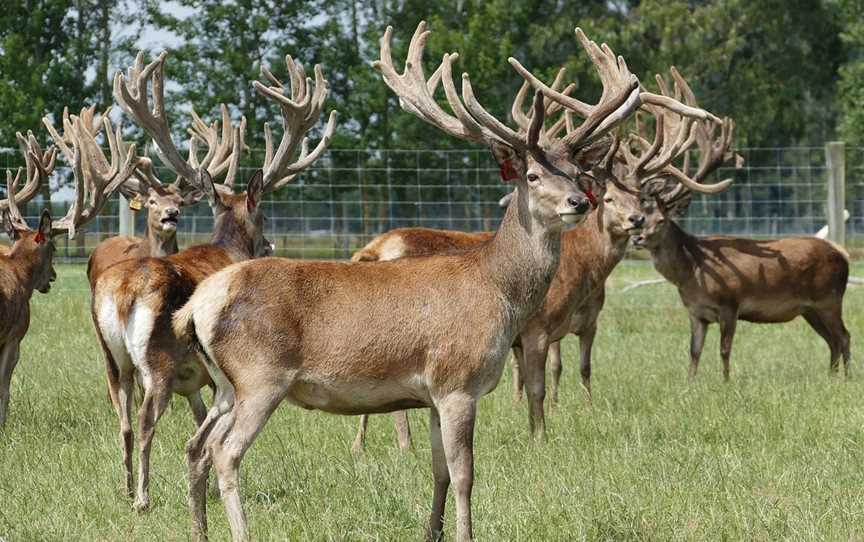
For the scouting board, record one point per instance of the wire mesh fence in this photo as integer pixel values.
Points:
(349, 196)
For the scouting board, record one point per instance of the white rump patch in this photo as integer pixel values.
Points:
(139, 327)
(392, 249)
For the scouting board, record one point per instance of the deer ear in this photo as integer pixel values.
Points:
(593, 153)
(255, 190)
(43, 234)
(209, 188)
(11, 231)
(512, 165)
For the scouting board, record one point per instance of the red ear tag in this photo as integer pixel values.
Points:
(40, 238)
(591, 197)
(508, 172)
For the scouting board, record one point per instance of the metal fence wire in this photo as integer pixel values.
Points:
(349, 196)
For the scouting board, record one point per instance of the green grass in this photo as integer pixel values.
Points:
(777, 454)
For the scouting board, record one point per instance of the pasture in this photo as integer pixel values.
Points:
(777, 454)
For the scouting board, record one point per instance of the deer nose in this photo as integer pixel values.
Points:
(172, 212)
(580, 205)
(637, 220)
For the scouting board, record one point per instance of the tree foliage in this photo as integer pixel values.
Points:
(773, 65)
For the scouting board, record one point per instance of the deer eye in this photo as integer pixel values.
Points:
(532, 178)
(152, 202)
(607, 200)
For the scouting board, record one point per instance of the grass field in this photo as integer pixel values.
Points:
(777, 454)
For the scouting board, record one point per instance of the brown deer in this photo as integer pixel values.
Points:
(725, 279)
(164, 202)
(429, 332)
(589, 253)
(28, 264)
(133, 300)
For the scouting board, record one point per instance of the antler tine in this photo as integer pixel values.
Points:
(301, 105)
(131, 91)
(39, 165)
(11, 206)
(714, 151)
(415, 94)
(220, 143)
(94, 180)
(619, 99)
(675, 131)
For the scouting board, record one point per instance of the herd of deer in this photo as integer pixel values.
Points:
(427, 324)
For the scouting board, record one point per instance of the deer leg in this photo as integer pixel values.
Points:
(534, 364)
(121, 394)
(833, 320)
(457, 412)
(199, 461)
(555, 368)
(815, 320)
(586, 343)
(228, 447)
(835, 334)
(120, 375)
(155, 401)
(441, 477)
(728, 323)
(518, 372)
(403, 429)
(196, 404)
(8, 360)
(698, 327)
(360, 439)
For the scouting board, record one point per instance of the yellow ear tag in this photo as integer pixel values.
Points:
(136, 204)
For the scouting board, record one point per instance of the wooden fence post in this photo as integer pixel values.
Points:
(126, 217)
(835, 160)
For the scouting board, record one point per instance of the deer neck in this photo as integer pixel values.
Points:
(25, 264)
(674, 256)
(522, 257)
(609, 245)
(231, 236)
(156, 246)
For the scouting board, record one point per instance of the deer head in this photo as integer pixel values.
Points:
(551, 171)
(238, 218)
(96, 178)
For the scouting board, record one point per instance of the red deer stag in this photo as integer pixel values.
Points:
(589, 253)
(164, 202)
(725, 279)
(133, 300)
(430, 332)
(28, 265)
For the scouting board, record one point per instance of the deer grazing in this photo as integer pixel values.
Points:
(430, 332)
(164, 202)
(28, 264)
(589, 253)
(725, 279)
(133, 300)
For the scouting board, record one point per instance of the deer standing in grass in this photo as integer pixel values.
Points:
(133, 301)
(164, 202)
(29, 263)
(430, 332)
(725, 279)
(589, 253)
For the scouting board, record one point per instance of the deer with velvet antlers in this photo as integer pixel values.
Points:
(164, 201)
(429, 332)
(133, 301)
(589, 252)
(725, 279)
(28, 265)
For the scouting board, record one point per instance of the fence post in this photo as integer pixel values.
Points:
(126, 217)
(835, 159)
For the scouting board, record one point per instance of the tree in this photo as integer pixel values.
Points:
(851, 85)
